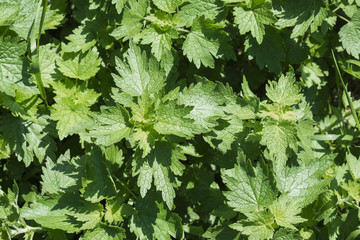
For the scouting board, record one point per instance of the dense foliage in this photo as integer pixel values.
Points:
(179, 119)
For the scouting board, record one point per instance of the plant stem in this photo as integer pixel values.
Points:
(343, 18)
(353, 112)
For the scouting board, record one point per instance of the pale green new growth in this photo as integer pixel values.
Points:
(72, 108)
(111, 125)
(139, 74)
(285, 91)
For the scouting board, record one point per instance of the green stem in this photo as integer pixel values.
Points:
(337, 8)
(127, 189)
(34, 48)
(353, 112)
(343, 18)
(334, 137)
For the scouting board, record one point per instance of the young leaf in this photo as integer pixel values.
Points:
(354, 166)
(81, 39)
(258, 225)
(285, 92)
(210, 9)
(140, 74)
(72, 108)
(172, 119)
(112, 125)
(160, 40)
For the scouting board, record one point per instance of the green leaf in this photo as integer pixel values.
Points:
(119, 4)
(205, 42)
(349, 35)
(47, 60)
(207, 103)
(210, 9)
(10, 10)
(353, 189)
(68, 212)
(354, 165)
(12, 67)
(221, 233)
(154, 221)
(311, 73)
(249, 189)
(286, 211)
(278, 136)
(160, 40)
(9, 210)
(304, 183)
(117, 209)
(72, 108)
(302, 15)
(253, 19)
(285, 234)
(140, 74)
(29, 139)
(163, 164)
(131, 23)
(97, 183)
(62, 176)
(80, 65)
(104, 232)
(56, 235)
(25, 19)
(270, 53)
(285, 92)
(81, 39)
(173, 119)
(24, 104)
(168, 6)
(111, 125)
(258, 225)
